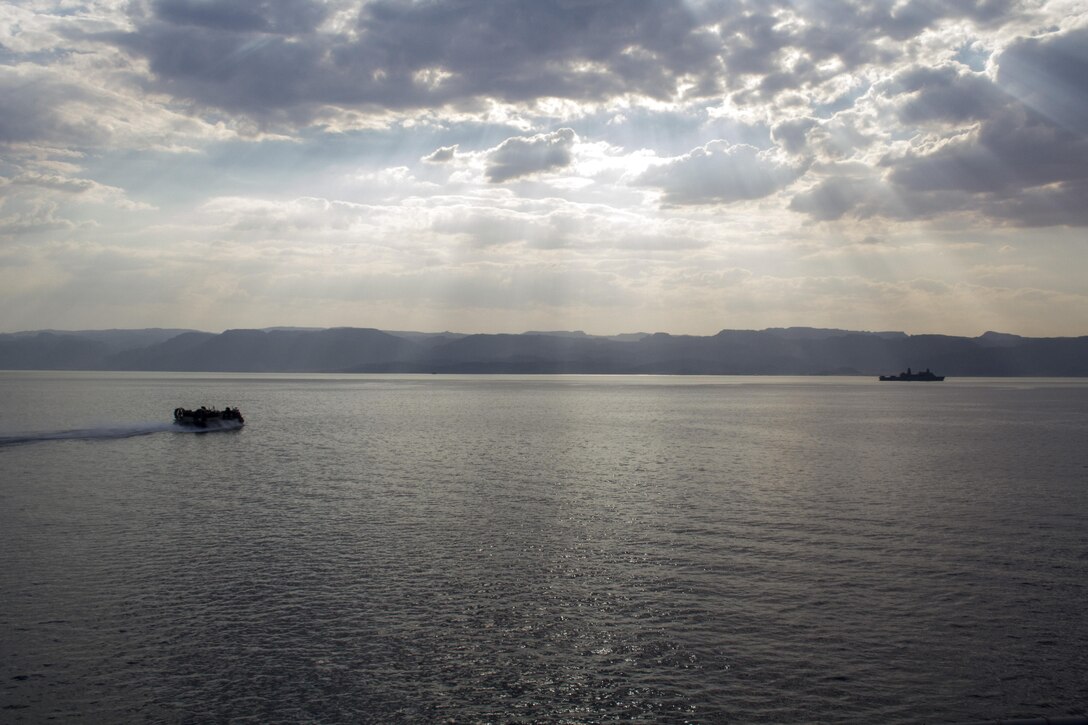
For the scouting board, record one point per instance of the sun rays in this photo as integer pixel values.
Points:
(697, 165)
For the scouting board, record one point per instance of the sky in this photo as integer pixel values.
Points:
(612, 166)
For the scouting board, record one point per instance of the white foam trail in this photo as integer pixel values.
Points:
(101, 433)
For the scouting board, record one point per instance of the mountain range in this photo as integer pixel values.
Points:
(775, 351)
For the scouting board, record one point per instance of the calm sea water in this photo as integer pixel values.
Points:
(541, 549)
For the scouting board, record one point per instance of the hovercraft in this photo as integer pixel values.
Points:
(204, 417)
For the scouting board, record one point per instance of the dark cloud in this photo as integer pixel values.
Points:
(286, 61)
(720, 173)
(789, 56)
(1050, 75)
(751, 43)
(253, 73)
(1017, 168)
(1066, 204)
(286, 17)
(979, 138)
(268, 61)
(792, 134)
(441, 155)
(903, 20)
(279, 59)
(1015, 148)
(858, 192)
(831, 198)
(948, 94)
(1036, 142)
(524, 155)
(1014, 151)
(526, 49)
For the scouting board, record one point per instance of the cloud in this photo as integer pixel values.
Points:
(46, 196)
(814, 45)
(35, 108)
(493, 227)
(946, 94)
(792, 134)
(316, 219)
(78, 189)
(285, 17)
(57, 183)
(721, 173)
(441, 155)
(524, 155)
(69, 106)
(1007, 154)
(1063, 204)
(1049, 74)
(427, 150)
(1025, 160)
(287, 59)
(833, 197)
(20, 216)
(290, 60)
(1012, 146)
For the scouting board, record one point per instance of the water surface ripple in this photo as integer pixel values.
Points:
(543, 549)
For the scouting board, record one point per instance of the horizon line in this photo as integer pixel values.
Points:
(572, 332)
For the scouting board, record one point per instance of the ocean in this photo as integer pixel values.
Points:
(385, 548)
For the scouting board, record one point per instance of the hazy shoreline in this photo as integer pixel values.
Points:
(776, 351)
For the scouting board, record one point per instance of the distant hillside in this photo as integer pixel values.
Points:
(275, 350)
(777, 351)
(78, 350)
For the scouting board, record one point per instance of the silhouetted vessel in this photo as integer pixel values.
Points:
(209, 417)
(924, 377)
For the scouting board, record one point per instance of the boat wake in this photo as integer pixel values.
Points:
(112, 432)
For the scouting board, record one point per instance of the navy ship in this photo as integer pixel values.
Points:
(924, 377)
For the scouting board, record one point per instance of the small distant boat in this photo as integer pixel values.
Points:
(209, 417)
(924, 377)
